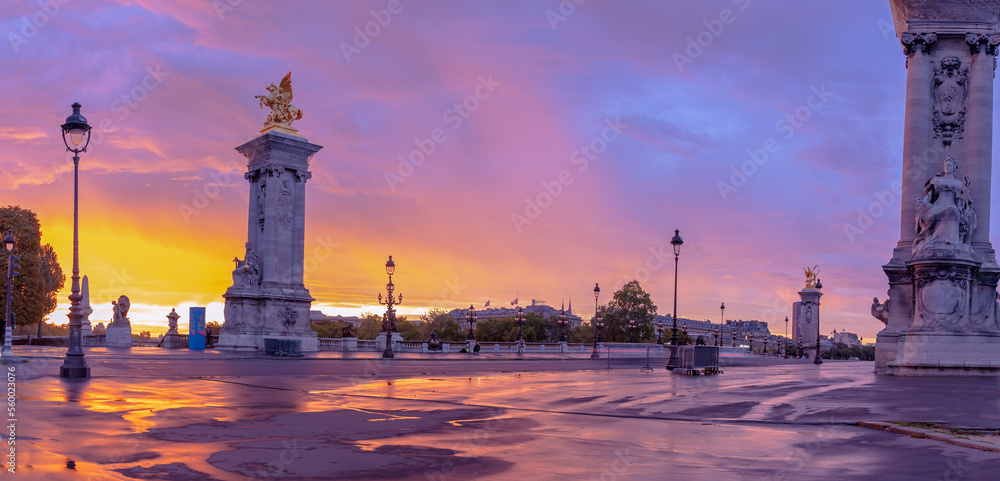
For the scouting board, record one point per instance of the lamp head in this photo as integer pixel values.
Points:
(9, 241)
(676, 241)
(390, 266)
(76, 127)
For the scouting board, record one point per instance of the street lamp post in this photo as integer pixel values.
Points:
(786, 337)
(673, 362)
(389, 324)
(718, 338)
(659, 332)
(470, 316)
(817, 360)
(631, 326)
(750, 341)
(734, 338)
(684, 329)
(562, 326)
(12, 265)
(78, 130)
(597, 321)
(519, 319)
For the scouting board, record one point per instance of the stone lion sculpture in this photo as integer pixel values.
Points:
(120, 310)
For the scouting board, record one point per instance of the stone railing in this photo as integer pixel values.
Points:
(351, 344)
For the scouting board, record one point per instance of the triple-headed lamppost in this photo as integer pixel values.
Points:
(519, 319)
(471, 317)
(597, 322)
(562, 325)
(673, 362)
(389, 323)
(78, 130)
(12, 266)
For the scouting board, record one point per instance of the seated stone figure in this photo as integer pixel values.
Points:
(247, 272)
(120, 311)
(945, 216)
(433, 343)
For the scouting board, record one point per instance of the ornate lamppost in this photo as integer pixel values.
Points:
(786, 337)
(519, 319)
(817, 360)
(597, 322)
(631, 327)
(684, 329)
(78, 130)
(718, 338)
(470, 317)
(734, 338)
(659, 332)
(750, 341)
(389, 323)
(723, 318)
(673, 362)
(12, 266)
(562, 325)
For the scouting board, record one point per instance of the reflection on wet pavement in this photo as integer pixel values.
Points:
(353, 419)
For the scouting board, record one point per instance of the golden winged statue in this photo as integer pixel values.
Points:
(279, 99)
(811, 273)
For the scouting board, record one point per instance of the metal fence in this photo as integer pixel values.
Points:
(646, 356)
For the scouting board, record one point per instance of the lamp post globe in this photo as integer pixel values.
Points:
(75, 132)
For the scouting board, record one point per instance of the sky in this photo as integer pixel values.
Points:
(573, 138)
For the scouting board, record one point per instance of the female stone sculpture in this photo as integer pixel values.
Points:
(945, 217)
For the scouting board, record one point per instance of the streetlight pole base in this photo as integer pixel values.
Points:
(74, 367)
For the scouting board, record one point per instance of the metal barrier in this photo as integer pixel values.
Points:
(696, 358)
(642, 355)
(282, 347)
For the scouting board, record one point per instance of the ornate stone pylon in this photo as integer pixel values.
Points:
(940, 317)
(268, 298)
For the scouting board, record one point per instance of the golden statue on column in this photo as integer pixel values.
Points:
(279, 99)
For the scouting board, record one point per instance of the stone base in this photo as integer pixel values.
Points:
(946, 354)
(172, 340)
(885, 351)
(250, 317)
(118, 336)
(349, 343)
(252, 342)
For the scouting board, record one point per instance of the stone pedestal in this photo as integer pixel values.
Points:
(118, 336)
(349, 343)
(809, 314)
(940, 316)
(172, 339)
(268, 298)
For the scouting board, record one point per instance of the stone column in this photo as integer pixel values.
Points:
(917, 132)
(276, 307)
(809, 314)
(979, 135)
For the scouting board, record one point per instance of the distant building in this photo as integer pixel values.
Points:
(849, 338)
(319, 316)
(536, 307)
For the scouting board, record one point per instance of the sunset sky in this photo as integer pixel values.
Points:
(620, 121)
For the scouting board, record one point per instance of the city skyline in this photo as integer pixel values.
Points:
(529, 150)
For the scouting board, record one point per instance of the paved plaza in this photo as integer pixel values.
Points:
(157, 414)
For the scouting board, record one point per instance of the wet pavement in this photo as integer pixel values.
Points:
(157, 414)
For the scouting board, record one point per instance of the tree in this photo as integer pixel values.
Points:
(53, 280)
(33, 295)
(441, 323)
(371, 325)
(629, 302)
